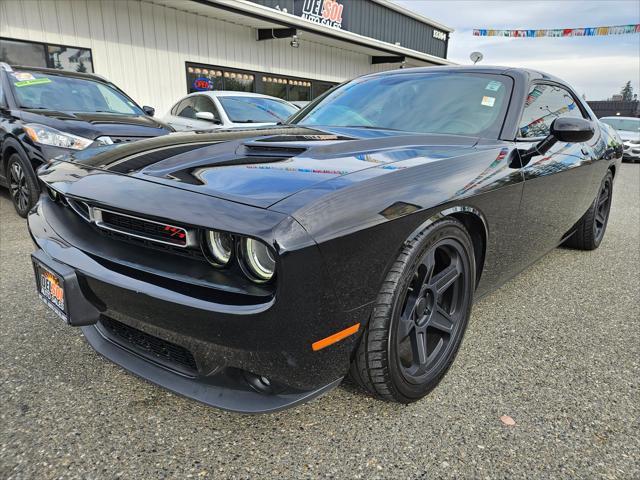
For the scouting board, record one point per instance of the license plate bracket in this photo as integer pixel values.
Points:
(51, 290)
(63, 294)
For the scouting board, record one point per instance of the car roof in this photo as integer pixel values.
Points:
(64, 73)
(524, 73)
(233, 93)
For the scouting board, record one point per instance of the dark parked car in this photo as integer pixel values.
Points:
(252, 270)
(45, 113)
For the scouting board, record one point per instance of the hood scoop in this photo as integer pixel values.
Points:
(258, 150)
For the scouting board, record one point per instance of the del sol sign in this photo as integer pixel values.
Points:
(324, 12)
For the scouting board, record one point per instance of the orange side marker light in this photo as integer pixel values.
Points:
(336, 337)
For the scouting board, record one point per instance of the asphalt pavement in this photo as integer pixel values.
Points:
(556, 349)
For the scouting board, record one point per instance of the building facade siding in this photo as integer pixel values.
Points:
(143, 47)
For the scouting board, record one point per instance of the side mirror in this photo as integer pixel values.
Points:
(572, 130)
(149, 110)
(563, 129)
(208, 116)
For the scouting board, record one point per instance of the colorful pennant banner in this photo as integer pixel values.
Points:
(559, 32)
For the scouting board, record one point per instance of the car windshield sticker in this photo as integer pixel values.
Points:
(488, 101)
(493, 85)
(20, 76)
(35, 81)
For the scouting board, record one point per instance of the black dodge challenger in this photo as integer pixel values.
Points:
(252, 270)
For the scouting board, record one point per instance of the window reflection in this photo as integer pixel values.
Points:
(544, 104)
(70, 58)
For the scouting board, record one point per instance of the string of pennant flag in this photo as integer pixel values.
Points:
(559, 32)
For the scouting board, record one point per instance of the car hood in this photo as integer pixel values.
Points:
(94, 124)
(261, 167)
(627, 135)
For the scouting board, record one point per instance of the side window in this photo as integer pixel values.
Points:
(544, 104)
(185, 108)
(203, 104)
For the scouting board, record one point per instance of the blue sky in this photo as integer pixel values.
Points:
(595, 66)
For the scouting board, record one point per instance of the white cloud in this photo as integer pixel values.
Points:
(596, 66)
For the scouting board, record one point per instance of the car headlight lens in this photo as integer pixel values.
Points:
(259, 260)
(56, 138)
(220, 246)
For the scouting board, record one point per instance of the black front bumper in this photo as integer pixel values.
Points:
(214, 353)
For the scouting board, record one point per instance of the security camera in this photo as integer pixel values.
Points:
(294, 42)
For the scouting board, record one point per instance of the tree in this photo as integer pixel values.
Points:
(81, 67)
(627, 92)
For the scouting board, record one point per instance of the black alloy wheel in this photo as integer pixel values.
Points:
(592, 226)
(603, 205)
(433, 311)
(23, 186)
(420, 315)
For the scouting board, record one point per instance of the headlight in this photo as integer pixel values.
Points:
(220, 247)
(55, 138)
(259, 260)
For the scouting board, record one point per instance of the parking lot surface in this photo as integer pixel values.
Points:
(557, 349)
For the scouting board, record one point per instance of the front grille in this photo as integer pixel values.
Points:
(164, 352)
(142, 228)
(80, 207)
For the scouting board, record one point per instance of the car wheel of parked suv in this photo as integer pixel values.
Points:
(23, 185)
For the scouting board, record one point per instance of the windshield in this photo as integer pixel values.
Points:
(626, 124)
(449, 103)
(69, 94)
(256, 109)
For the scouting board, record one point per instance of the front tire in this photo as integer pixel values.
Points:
(420, 315)
(592, 226)
(23, 186)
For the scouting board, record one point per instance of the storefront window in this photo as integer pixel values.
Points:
(34, 54)
(209, 77)
(239, 82)
(70, 58)
(299, 91)
(22, 53)
(320, 87)
(202, 79)
(276, 87)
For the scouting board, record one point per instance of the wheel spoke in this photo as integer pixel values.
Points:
(444, 279)
(603, 199)
(406, 325)
(441, 320)
(420, 347)
(600, 218)
(428, 263)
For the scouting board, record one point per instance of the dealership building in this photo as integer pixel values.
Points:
(159, 50)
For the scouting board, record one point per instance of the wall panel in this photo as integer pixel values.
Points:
(142, 47)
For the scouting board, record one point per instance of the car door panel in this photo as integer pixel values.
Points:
(558, 184)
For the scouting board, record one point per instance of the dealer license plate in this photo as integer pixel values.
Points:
(51, 290)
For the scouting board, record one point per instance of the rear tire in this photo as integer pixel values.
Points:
(23, 185)
(592, 226)
(419, 317)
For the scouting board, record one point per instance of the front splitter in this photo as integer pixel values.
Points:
(218, 391)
